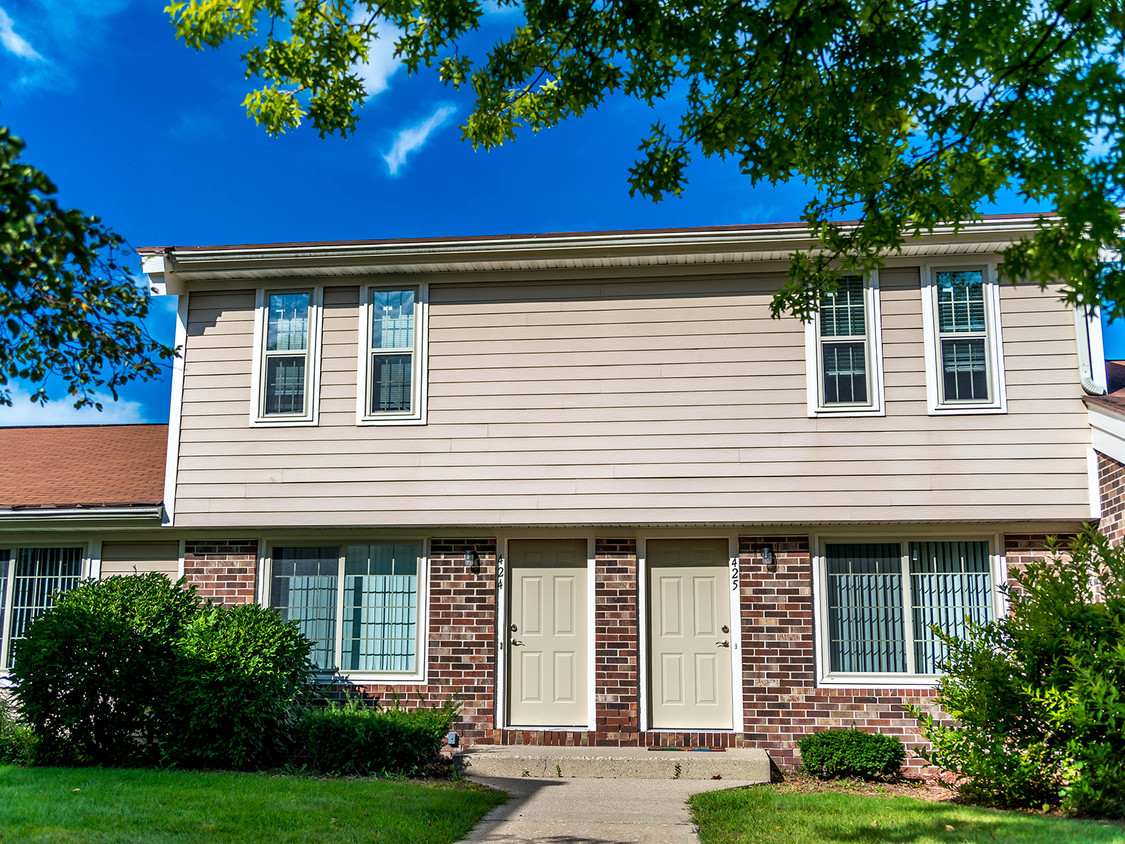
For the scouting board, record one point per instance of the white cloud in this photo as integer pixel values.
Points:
(381, 63)
(26, 412)
(414, 137)
(15, 44)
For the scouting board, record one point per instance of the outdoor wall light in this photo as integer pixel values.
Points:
(768, 558)
(472, 560)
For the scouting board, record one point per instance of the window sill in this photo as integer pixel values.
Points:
(847, 412)
(879, 681)
(363, 678)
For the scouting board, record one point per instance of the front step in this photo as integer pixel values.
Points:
(740, 764)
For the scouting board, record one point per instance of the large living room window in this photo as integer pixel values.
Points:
(880, 603)
(843, 351)
(361, 605)
(29, 580)
(286, 357)
(392, 389)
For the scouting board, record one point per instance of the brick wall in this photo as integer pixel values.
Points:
(1111, 478)
(781, 701)
(223, 570)
(617, 692)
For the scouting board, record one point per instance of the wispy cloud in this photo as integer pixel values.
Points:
(13, 42)
(414, 137)
(26, 412)
(381, 63)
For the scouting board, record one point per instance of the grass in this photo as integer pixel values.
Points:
(105, 805)
(762, 814)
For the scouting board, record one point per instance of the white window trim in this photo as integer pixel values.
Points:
(876, 405)
(312, 367)
(903, 680)
(419, 359)
(994, 346)
(89, 559)
(422, 631)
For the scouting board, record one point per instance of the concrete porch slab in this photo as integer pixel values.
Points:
(740, 764)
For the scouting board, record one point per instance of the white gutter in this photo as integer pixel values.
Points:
(85, 514)
(575, 249)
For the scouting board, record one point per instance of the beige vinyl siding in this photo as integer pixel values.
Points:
(630, 402)
(140, 558)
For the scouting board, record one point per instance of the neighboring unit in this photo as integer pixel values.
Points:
(588, 486)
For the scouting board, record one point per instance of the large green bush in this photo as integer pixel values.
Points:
(851, 753)
(136, 670)
(91, 671)
(1037, 697)
(241, 676)
(353, 738)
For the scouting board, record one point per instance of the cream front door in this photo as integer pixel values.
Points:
(547, 637)
(689, 634)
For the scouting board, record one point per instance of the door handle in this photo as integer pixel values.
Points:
(515, 641)
(724, 643)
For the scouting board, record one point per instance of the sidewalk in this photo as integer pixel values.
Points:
(592, 811)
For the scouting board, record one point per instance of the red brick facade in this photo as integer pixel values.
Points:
(223, 570)
(781, 701)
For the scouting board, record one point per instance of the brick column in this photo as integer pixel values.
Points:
(223, 570)
(1111, 479)
(616, 650)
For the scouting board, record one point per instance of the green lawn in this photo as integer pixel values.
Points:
(100, 805)
(762, 814)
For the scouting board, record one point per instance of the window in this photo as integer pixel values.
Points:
(392, 389)
(359, 604)
(29, 578)
(964, 364)
(882, 600)
(286, 365)
(843, 351)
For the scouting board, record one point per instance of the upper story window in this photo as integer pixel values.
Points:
(964, 359)
(844, 351)
(286, 361)
(881, 600)
(360, 605)
(29, 578)
(392, 369)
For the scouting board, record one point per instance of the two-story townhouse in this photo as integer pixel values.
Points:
(586, 484)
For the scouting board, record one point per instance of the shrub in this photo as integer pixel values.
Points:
(240, 677)
(90, 671)
(17, 742)
(851, 753)
(353, 738)
(1035, 696)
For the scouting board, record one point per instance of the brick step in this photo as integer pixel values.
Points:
(739, 764)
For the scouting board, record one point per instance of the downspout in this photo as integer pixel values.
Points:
(1091, 355)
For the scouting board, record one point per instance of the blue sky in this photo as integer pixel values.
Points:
(152, 137)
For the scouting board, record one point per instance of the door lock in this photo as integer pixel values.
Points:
(726, 629)
(513, 628)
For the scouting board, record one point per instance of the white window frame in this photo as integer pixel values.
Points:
(312, 360)
(814, 360)
(897, 680)
(419, 355)
(994, 347)
(9, 564)
(422, 628)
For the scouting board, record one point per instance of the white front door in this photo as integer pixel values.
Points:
(689, 633)
(547, 633)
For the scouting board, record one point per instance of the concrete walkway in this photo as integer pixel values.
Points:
(592, 811)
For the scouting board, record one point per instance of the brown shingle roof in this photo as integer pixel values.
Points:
(82, 466)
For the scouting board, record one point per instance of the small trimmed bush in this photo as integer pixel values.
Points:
(91, 671)
(851, 753)
(242, 674)
(353, 738)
